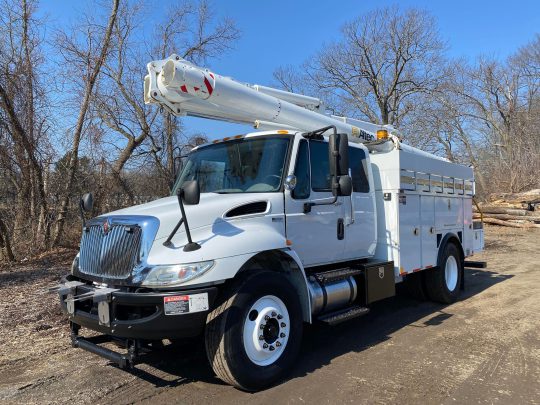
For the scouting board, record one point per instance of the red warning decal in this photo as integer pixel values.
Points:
(176, 298)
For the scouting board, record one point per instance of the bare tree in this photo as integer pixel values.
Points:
(384, 58)
(93, 57)
(23, 124)
(189, 30)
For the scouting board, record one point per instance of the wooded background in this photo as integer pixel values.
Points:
(390, 66)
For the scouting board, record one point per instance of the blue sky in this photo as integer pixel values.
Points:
(278, 32)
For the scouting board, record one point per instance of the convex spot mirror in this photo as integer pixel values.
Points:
(87, 202)
(190, 192)
(290, 182)
(344, 185)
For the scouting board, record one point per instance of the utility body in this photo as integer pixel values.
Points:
(312, 219)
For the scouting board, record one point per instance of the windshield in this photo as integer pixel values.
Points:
(248, 165)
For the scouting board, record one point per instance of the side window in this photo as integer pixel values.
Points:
(320, 169)
(357, 161)
(301, 171)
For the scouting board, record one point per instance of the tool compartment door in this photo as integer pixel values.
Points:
(410, 241)
(428, 230)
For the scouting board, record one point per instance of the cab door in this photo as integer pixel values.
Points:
(317, 235)
(360, 216)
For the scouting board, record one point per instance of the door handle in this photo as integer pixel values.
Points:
(340, 229)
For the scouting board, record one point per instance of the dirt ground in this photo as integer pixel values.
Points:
(483, 349)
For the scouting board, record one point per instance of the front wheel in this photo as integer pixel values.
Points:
(253, 335)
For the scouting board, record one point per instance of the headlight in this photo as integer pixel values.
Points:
(171, 275)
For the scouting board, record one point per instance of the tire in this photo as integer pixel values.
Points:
(253, 335)
(444, 281)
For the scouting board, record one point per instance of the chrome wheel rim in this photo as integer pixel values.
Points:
(451, 273)
(266, 330)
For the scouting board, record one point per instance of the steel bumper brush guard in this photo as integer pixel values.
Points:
(135, 317)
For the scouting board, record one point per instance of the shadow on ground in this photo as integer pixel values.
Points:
(186, 361)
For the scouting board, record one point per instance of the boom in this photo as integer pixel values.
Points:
(186, 89)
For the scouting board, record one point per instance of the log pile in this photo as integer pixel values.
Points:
(517, 210)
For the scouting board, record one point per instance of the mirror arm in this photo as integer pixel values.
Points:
(309, 205)
(191, 246)
(81, 210)
(168, 241)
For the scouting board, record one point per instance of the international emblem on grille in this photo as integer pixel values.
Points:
(106, 227)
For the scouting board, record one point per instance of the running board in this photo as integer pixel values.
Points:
(476, 265)
(342, 315)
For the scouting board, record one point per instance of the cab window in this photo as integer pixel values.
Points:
(320, 168)
(358, 163)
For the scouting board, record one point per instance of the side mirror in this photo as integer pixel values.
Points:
(87, 202)
(191, 193)
(345, 185)
(338, 154)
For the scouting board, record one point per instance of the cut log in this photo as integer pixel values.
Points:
(509, 211)
(515, 198)
(476, 215)
(495, 221)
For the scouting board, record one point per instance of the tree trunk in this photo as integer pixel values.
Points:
(74, 156)
(5, 244)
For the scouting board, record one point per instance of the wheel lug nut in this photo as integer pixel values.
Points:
(278, 344)
(266, 317)
(279, 316)
(274, 314)
(283, 324)
(282, 335)
(265, 346)
(261, 337)
(271, 348)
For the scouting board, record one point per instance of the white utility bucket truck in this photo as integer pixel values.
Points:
(312, 219)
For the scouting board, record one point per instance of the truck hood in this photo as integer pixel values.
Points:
(211, 208)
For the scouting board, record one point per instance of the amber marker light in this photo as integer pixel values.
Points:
(382, 134)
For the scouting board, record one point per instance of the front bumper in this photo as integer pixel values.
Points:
(132, 315)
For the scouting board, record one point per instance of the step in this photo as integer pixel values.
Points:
(336, 274)
(342, 315)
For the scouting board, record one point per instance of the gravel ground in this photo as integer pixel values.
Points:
(483, 349)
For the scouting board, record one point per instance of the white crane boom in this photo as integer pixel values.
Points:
(186, 89)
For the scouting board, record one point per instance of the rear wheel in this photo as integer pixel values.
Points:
(253, 335)
(443, 282)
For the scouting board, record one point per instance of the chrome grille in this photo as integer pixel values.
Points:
(111, 254)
